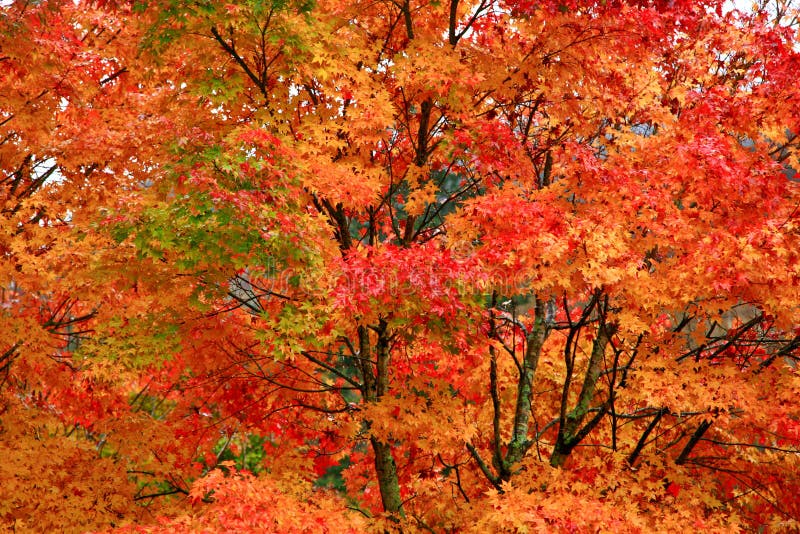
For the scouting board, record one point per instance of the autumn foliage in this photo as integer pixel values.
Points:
(445, 266)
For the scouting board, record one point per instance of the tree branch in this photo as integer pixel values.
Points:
(687, 450)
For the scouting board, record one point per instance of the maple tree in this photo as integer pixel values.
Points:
(448, 266)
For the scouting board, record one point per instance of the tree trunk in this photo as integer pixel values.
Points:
(375, 387)
(387, 477)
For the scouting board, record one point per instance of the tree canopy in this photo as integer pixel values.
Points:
(399, 265)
